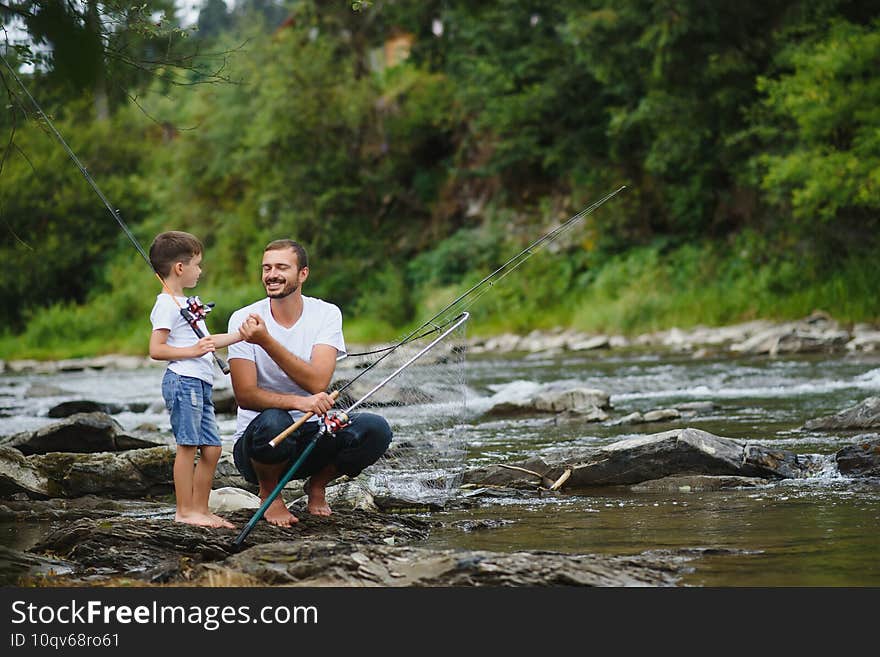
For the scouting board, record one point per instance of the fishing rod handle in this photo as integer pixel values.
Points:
(296, 425)
(190, 319)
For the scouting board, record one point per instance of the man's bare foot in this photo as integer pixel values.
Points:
(223, 521)
(317, 500)
(279, 515)
(199, 519)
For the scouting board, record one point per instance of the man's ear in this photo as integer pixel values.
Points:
(303, 274)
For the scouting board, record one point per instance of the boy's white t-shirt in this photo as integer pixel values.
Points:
(166, 315)
(320, 323)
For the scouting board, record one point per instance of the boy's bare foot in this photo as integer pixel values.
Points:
(199, 519)
(223, 521)
(317, 500)
(279, 515)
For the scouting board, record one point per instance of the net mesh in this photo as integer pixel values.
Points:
(424, 405)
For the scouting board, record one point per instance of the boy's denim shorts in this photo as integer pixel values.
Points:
(190, 402)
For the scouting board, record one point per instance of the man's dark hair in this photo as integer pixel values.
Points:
(302, 258)
(171, 247)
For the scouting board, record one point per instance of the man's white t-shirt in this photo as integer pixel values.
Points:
(320, 323)
(166, 315)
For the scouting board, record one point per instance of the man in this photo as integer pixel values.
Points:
(280, 372)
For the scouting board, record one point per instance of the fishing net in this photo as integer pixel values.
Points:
(425, 405)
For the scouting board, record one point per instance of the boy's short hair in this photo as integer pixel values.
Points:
(171, 247)
(302, 258)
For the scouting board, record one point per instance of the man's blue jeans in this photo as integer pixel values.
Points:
(350, 449)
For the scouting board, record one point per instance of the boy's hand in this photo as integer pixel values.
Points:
(254, 330)
(204, 346)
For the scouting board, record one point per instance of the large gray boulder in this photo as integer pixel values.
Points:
(634, 460)
(865, 415)
(79, 433)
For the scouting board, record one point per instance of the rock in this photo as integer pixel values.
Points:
(527, 398)
(632, 418)
(696, 406)
(634, 460)
(662, 415)
(80, 433)
(165, 551)
(132, 473)
(697, 483)
(351, 494)
(88, 506)
(20, 567)
(589, 414)
(227, 499)
(224, 401)
(865, 415)
(68, 408)
(523, 474)
(809, 342)
(572, 399)
(864, 340)
(36, 390)
(596, 342)
(19, 475)
(861, 459)
(326, 563)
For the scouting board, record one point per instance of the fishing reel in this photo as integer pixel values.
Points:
(197, 308)
(333, 421)
(195, 311)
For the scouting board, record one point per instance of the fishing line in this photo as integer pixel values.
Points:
(113, 211)
(501, 272)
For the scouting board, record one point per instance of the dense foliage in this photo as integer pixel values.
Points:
(748, 135)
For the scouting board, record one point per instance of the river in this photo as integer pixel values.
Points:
(823, 531)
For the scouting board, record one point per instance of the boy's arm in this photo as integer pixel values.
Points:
(225, 339)
(160, 350)
(250, 396)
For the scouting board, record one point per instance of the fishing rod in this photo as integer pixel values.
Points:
(330, 424)
(195, 310)
(500, 273)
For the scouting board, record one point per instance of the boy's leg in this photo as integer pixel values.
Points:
(203, 479)
(182, 396)
(210, 450)
(183, 484)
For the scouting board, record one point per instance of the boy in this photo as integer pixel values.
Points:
(187, 385)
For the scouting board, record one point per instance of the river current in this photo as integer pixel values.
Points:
(822, 531)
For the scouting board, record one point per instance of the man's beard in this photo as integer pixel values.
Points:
(286, 291)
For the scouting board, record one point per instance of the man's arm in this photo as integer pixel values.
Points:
(313, 375)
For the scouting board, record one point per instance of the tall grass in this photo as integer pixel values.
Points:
(644, 289)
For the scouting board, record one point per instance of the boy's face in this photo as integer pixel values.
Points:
(190, 271)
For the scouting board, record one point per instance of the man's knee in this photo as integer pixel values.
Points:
(378, 429)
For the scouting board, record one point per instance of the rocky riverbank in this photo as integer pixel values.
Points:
(816, 333)
(102, 495)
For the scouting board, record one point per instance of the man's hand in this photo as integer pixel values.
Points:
(254, 330)
(317, 404)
